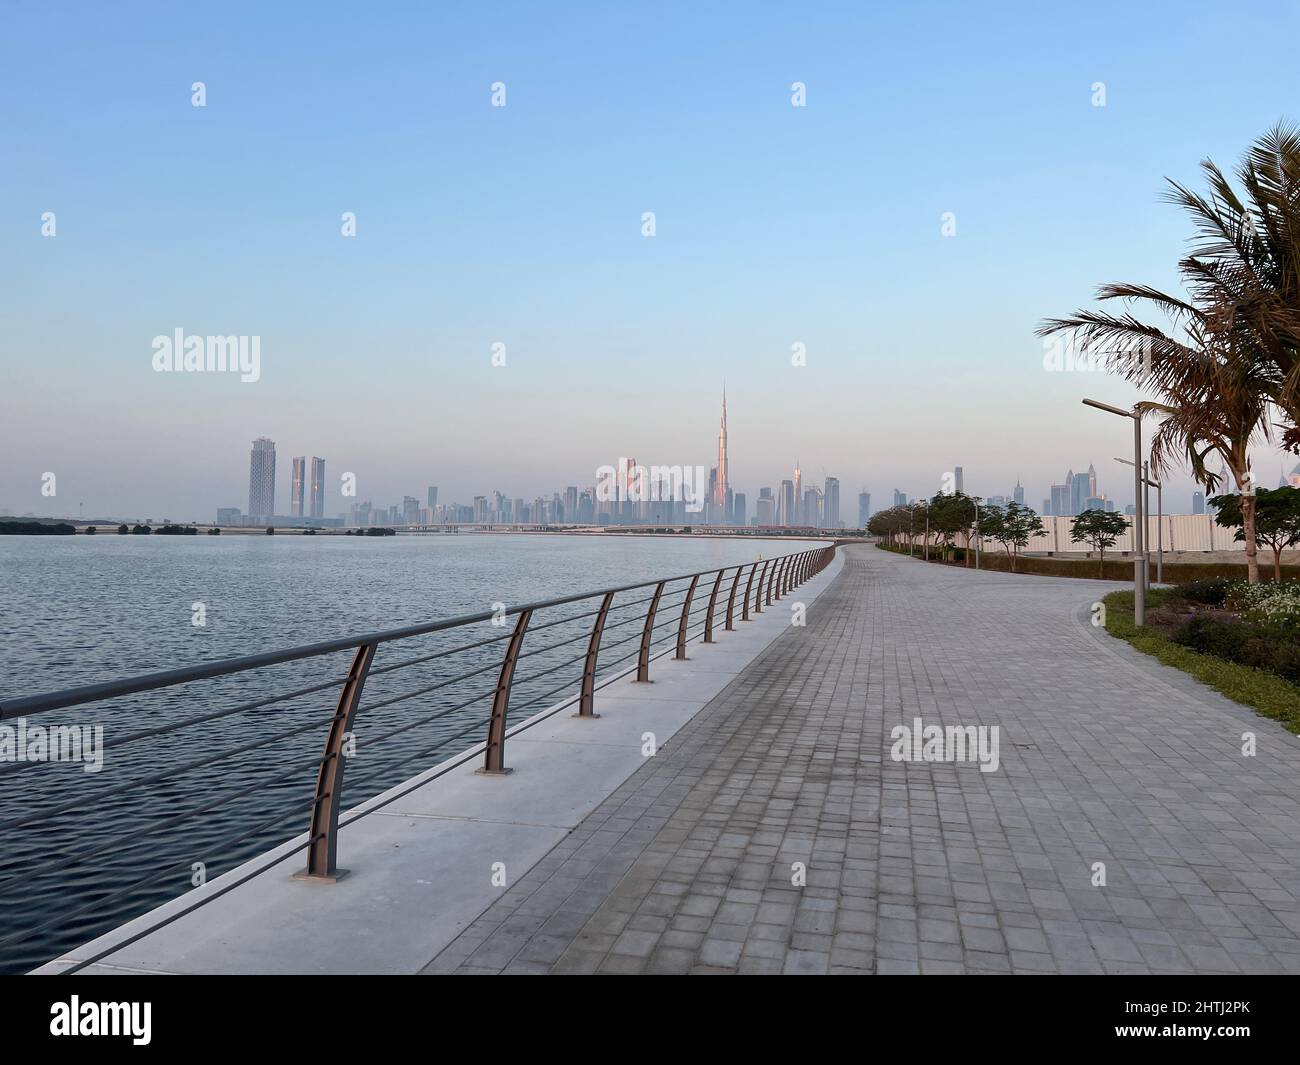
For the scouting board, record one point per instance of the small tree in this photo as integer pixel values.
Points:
(951, 514)
(1277, 519)
(1099, 529)
(1013, 526)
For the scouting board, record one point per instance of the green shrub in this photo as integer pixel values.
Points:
(1210, 592)
(1223, 639)
(1271, 694)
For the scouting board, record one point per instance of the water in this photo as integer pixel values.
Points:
(79, 610)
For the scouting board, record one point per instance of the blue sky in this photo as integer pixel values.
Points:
(522, 224)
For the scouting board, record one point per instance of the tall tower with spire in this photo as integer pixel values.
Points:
(723, 484)
(798, 515)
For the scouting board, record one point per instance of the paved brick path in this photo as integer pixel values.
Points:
(930, 867)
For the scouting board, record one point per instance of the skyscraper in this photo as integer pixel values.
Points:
(812, 507)
(1018, 494)
(297, 486)
(738, 509)
(1082, 488)
(831, 504)
(317, 487)
(1061, 494)
(785, 504)
(796, 511)
(1198, 502)
(722, 486)
(958, 479)
(900, 497)
(864, 509)
(433, 496)
(261, 479)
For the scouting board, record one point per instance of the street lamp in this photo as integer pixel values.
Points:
(1139, 518)
(1160, 516)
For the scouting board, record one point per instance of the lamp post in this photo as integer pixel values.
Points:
(1139, 519)
(1160, 517)
(979, 540)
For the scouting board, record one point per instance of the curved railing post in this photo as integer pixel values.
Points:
(643, 659)
(495, 755)
(713, 602)
(749, 584)
(782, 576)
(586, 701)
(758, 592)
(686, 618)
(770, 578)
(730, 625)
(322, 853)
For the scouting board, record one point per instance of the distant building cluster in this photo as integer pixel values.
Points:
(306, 492)
(1077, 494)
(794, 504)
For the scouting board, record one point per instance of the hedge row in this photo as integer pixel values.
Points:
(1115, 569)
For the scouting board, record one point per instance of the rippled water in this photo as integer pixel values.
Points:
(83, 852)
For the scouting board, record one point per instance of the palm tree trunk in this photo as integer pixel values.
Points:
(1101, 564)
(1277, 564)
(1248, 529)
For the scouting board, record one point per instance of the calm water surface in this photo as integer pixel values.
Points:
(78, 610)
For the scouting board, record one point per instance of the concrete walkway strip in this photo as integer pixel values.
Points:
(421, 868)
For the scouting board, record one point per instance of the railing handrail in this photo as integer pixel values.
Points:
(23, 706)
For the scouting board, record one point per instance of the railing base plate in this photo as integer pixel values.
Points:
(493, 772)
(332, 878)
(588, 717)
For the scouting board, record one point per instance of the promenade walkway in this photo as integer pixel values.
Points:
(1105, 756)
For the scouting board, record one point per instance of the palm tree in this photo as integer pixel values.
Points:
(1215, 410)
(1242, 279)
(1212, 400)
(1245, 263)
(1238, 355)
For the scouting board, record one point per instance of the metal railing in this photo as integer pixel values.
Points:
(660, 618)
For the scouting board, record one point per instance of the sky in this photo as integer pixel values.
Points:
(522, 225)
